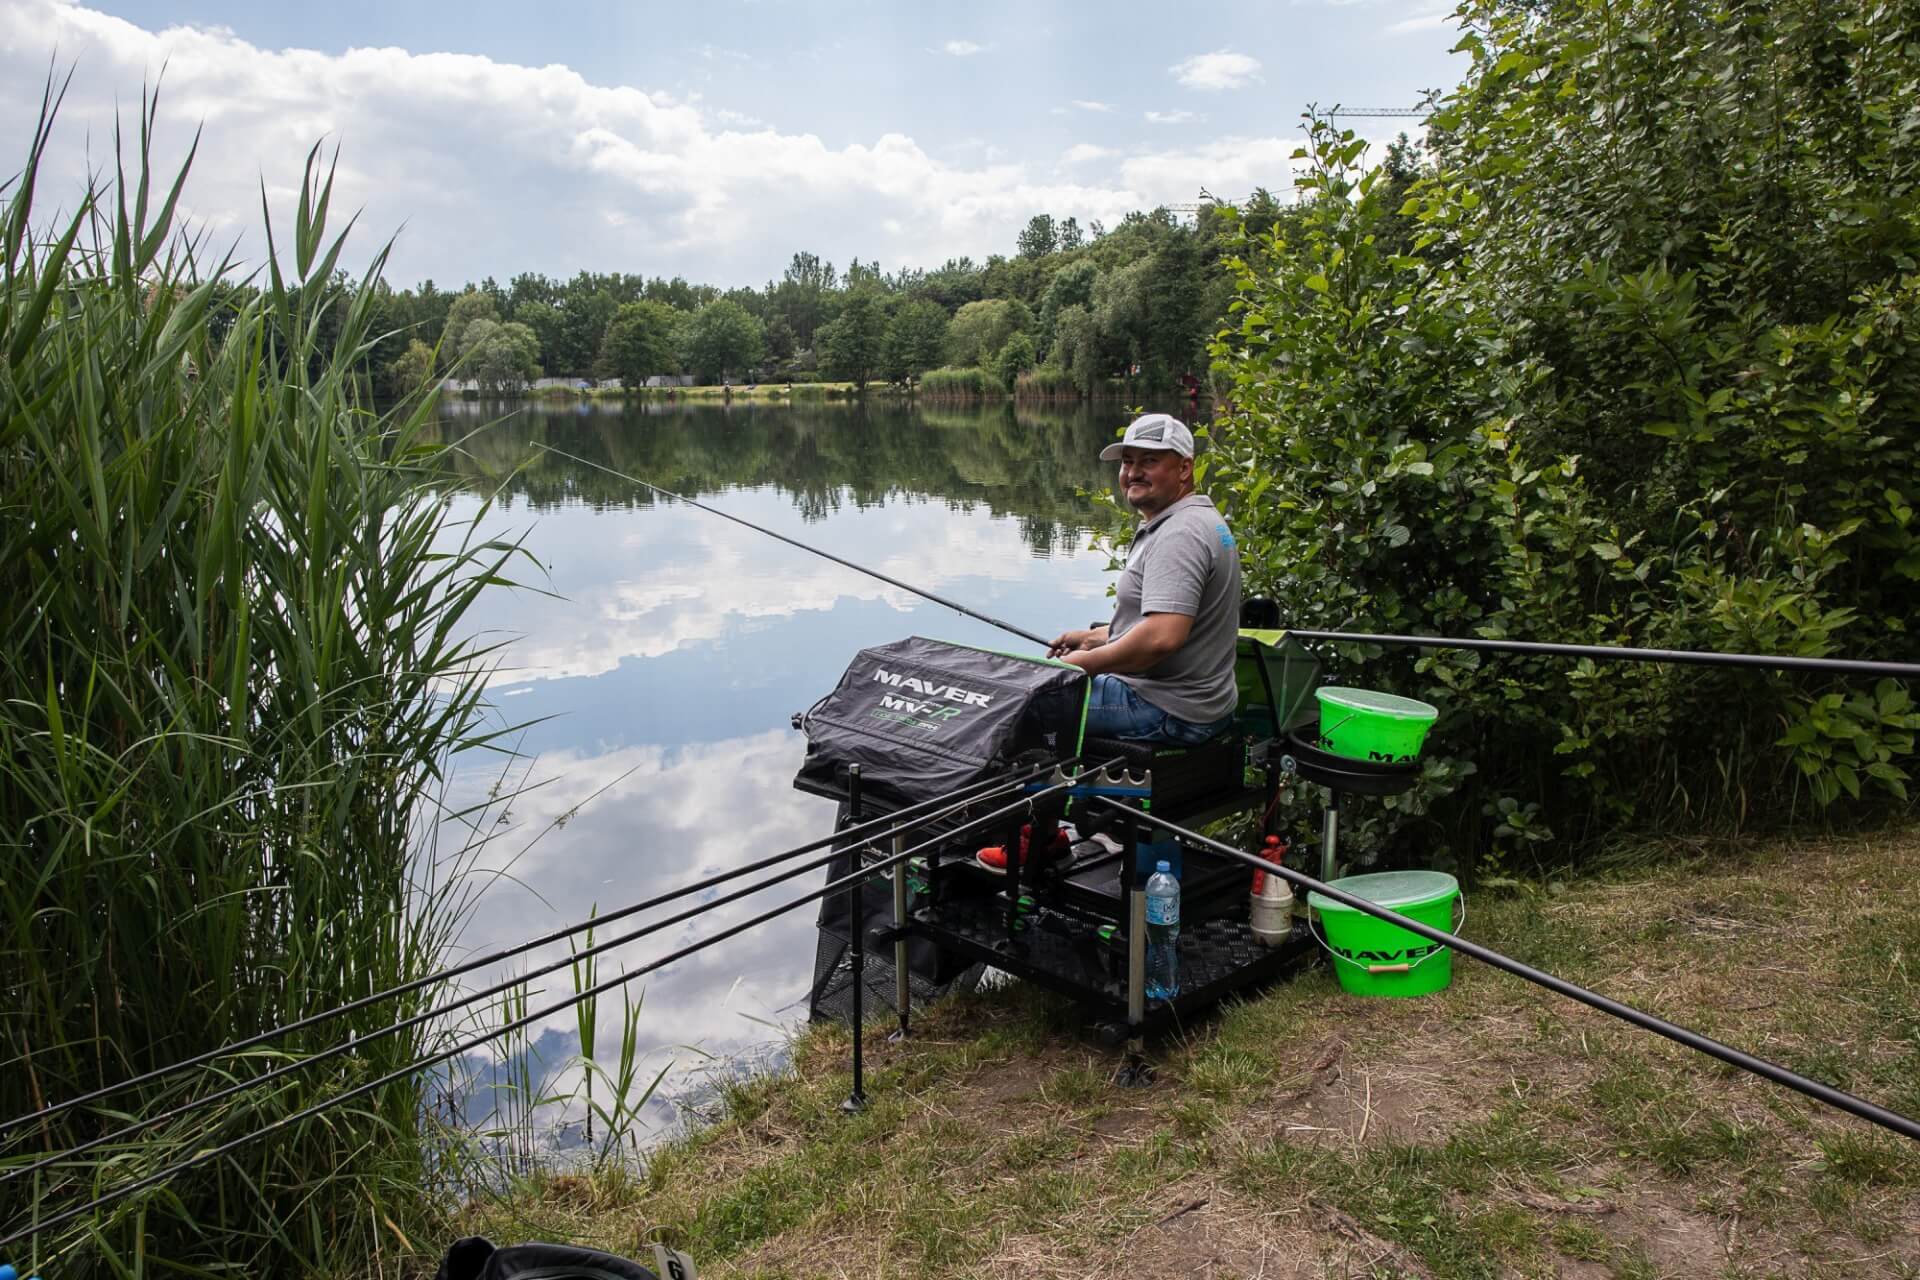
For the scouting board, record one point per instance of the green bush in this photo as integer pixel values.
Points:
(1643, 377)
(947, 383)
(229, 684)
(1048, 382)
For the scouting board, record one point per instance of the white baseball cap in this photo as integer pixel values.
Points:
(1152, 431)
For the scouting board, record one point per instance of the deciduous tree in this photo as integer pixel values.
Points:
(719, 339)
(640, 343)
(850, 347)
(916, 340)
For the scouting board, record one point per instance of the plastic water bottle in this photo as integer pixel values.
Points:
(1163, 932)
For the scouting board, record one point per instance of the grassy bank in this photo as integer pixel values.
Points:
(1492, 1130)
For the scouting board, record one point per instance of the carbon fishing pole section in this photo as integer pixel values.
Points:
(922, 592)
(151, 1121)
(1623, 653)
(886, 825)
(1872, 1112)
(160, 1176)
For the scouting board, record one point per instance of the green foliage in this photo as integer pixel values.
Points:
(500, 357)
(1047, 382)
(639, 343)
(916, 336)
(1039, 237)
(229, 688)
(414, 369)
(1076, 348)
(851, 346)
(719, 339)
(980, 329)
(471, 306)
(1631, 365)
(1015, 358)
(948, 383)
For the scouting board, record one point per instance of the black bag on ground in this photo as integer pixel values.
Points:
(478, 1258)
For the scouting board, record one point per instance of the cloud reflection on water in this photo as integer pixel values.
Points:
(669, 665)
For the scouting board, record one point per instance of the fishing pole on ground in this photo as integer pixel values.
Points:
(923, 810)
(359, 1091)
(924, 594)
(1833, 1097)
(281, 1072)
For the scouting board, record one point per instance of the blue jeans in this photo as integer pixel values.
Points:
(1116, 710)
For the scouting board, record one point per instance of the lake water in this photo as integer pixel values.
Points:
(658, 652)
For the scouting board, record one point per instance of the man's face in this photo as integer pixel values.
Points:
(1151, 480)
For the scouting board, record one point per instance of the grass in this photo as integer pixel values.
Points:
(229, 684)
(1490, 1130)
(960, 384)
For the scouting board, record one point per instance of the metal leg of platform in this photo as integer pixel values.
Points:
(1013, 880)
(1135, 1072)
(1329, 834)
(902, 983)
(856, 931)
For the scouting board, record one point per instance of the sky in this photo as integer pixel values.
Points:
(709, 140)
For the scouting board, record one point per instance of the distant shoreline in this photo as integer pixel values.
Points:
(770, 392)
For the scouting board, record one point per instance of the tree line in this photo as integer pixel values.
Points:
(1141, 298)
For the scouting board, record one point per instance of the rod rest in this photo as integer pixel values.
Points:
(1179, 774)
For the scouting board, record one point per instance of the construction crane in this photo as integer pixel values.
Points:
(1283, 194)
(1380, 112)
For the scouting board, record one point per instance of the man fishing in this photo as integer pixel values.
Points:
(1162, 668)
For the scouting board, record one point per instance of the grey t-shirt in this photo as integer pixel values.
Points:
(1184, 561)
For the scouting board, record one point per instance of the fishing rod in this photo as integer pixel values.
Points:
(955, 605)
(1622, 653)
(854, 878)
(899, 819)
(856, 835)
(1627, 1013)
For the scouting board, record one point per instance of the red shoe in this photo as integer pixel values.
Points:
(994, 857)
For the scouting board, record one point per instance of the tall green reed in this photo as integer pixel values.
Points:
(948, 383)
(232, 675)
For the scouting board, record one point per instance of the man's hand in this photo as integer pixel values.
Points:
(1070, 641)
(1157, 637)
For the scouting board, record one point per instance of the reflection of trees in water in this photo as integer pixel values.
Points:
(1020, 462)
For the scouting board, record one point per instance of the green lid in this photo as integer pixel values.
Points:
(1391, 705)
(1389, 889)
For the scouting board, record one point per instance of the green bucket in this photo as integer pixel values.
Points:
(1364, 725)
(1374, 958)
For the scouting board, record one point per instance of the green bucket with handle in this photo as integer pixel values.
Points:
(1363, 724)
(1374, 958)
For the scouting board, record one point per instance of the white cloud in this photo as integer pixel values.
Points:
(497, 168)
(722, 579)
(1229, 168)
(1081, 152)
(1086, 105)
(1174, 117)
(1428, 16)
(1221, 69)
(964, 48)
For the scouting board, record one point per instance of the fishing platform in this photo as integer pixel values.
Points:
(919, 719)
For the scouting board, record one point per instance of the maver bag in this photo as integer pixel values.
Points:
(924, 718)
